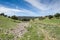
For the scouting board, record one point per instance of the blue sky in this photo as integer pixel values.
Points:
(29, 7)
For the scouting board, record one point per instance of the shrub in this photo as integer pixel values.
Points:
(57, 15)
(14, 17)
(9, 17)
(2, 14)
(50, 16)
(5, 15)
(25, 19)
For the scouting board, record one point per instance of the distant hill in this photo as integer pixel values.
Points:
(26, 17)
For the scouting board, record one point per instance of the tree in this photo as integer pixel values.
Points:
(2, 14)
(14, 17)
(57, 15)
(25, 19)
(9, 17)
(5, 15)
(50, 16)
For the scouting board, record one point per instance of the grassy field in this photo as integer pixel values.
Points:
(6, 24)
(48, 29)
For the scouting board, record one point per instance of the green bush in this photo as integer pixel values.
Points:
(14, 17)
(2, 14)
(50, 16)
(57, 15)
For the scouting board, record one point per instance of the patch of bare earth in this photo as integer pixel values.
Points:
(20, 29)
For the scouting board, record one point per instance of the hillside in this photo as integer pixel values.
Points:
(6, 24)
(48, 29)
(26, 17)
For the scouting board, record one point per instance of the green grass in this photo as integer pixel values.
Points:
(46, 29)
(6, 36)
(49, 26)
(52, 21)
(6, 24)
(32, 34)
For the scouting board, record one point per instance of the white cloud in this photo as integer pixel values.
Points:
(10, 11)
(56, 6)
(4, 9)
(44, 9)
(31, 13)
(52, 7)
(37, 4)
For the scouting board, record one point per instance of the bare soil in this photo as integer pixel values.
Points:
(20, 29)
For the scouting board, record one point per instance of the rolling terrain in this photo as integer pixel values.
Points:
(47, 29)
(6, 25)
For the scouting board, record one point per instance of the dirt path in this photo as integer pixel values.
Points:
(20, 29)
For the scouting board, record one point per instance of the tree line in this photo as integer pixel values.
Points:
(12, 17)
(57, 16)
